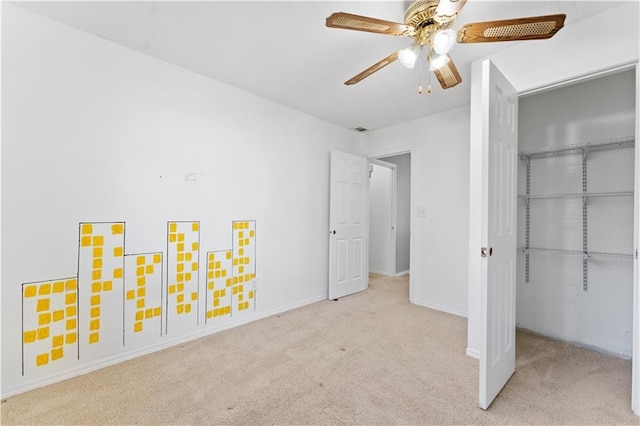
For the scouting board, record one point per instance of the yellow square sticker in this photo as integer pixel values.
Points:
(117, 228)
(30, 291)
(43, 333)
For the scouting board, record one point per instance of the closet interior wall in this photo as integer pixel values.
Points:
(575, 213)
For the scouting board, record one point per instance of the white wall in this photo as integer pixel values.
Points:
(96, 132)
(403, 209)
(577, 50)
(439, 146)
(380, 216)
(553, 301)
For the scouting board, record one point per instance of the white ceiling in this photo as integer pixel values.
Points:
(281, 50)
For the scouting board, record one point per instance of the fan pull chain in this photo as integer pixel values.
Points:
(429, 85)
(420, 86)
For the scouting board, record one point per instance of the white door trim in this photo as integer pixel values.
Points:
(579, 78)
(635, 370)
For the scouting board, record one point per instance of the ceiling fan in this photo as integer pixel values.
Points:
(429, 22)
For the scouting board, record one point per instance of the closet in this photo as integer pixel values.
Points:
(575, 213)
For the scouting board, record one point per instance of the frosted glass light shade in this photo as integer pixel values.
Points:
(409, 55)
(443, 41)
(438, 62)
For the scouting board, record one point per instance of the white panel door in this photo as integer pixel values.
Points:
(348, 224)
(498, 281)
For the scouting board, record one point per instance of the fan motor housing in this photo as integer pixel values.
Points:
(421, 15)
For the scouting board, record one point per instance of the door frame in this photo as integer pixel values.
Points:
(635, 367)
(412, 215)
(392, 203)
(635, 345)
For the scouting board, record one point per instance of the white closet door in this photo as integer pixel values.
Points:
(498, 282)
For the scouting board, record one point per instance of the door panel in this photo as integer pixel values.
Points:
(497, 350)
(357, 259)
(349, 224)
(341, 260)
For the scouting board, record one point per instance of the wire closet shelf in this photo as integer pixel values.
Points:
(577, 149)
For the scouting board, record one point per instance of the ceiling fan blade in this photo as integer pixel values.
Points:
(448, 75)
(373, 68)
(533, 28)
(348, 21)
(449, 8)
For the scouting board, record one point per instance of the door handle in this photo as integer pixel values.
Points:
(332, 232)
(484, 251)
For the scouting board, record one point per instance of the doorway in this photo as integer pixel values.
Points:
(390, 213)
(575, 213)
(479, 169)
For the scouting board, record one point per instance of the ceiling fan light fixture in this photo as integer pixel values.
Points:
(409, 55)
(438, 61)
(443, 41)
(428, 23)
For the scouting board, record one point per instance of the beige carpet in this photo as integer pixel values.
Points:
(370, 358)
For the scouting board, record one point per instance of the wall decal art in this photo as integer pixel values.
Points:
(183, 249)
(123, 301)
(219, 284)
(143, 299)
(244, 267)
(49, 322)
(100, 284)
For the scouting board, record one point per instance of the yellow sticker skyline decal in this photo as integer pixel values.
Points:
(119, 300)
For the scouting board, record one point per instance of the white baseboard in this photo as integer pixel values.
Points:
(473, 353)
(437, 307)
(399, 274)
(116, 359)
